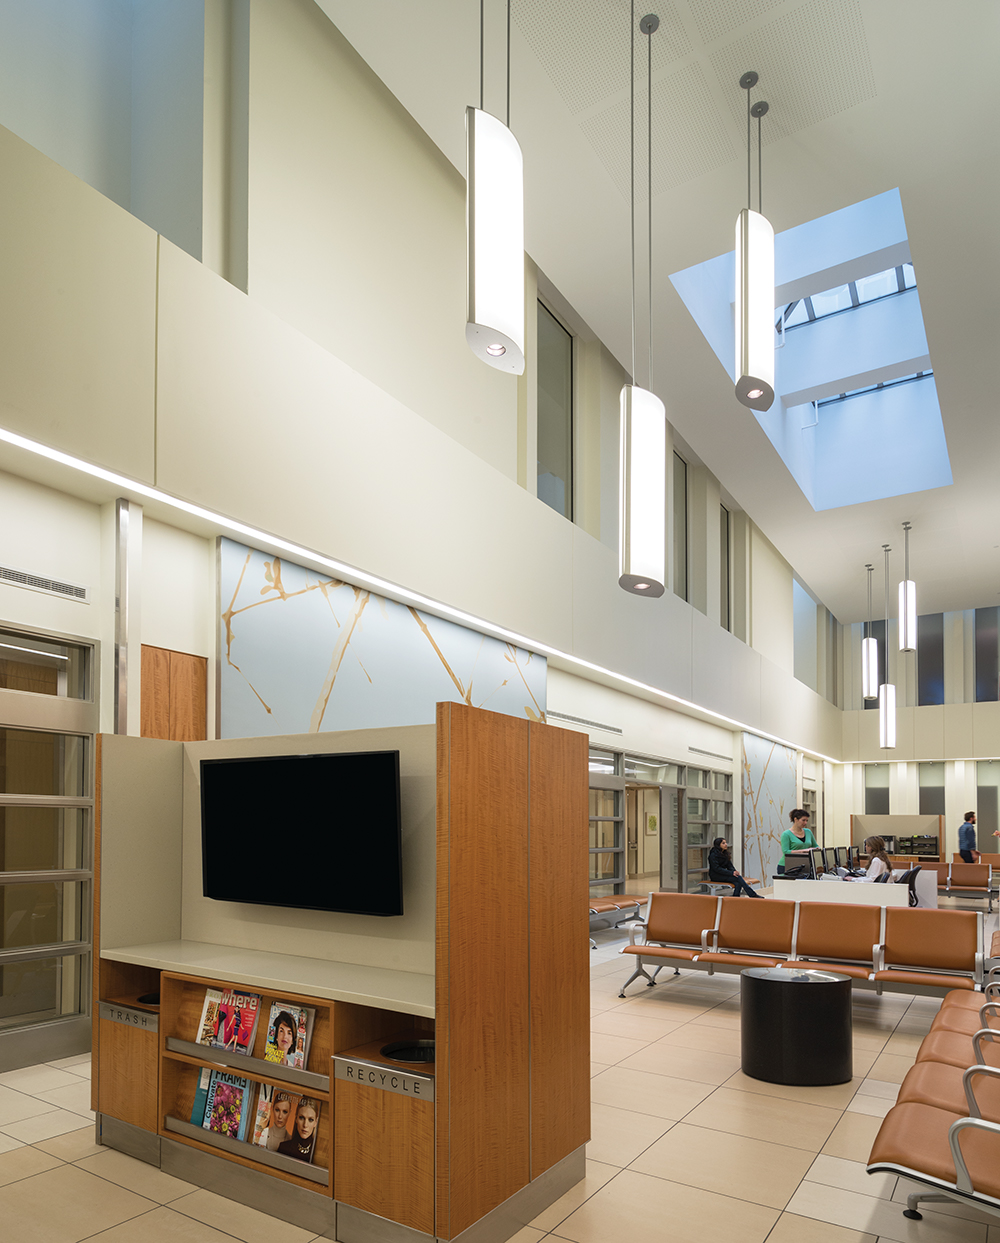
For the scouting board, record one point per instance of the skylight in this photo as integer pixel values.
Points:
(874, 388)
(847, 297)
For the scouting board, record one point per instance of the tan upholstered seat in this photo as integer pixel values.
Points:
(965, 1022)
(965, 1000)
(940, 1085)
(828, 931)
(662, 951)
(753, 934)
(678, 919)
(855, 971)
(970, 878)
(917, 942)
(915, 1137)
(955, 1049)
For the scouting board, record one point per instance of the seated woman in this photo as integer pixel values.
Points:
(722, 872)
(879, 860)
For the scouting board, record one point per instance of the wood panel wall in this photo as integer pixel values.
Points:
(174, 701)
(512, 828)
(560, 944)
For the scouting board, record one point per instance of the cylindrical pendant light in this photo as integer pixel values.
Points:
(494, 214)
(642, 491)
(886, 692)
(869, 650)
(907, 600)
(641, 534)
(754, 298)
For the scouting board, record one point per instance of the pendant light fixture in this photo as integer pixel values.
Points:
(643, 451)
(754, 302)
(886, 692)
(907, 600)
(869, 650)
(494, 216)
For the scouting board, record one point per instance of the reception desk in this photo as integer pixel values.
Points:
(859, 894)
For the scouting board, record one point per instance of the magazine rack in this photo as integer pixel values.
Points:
(490, 959)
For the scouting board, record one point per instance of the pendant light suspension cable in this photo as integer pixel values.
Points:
(907, 600)
(508, 64)
(631, 153)
(482, 55)
(887, 691)
(760, 179)
(869, 649)
(871, 570)
(649, 24)
(886, 550)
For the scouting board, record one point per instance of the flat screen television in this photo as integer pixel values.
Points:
(316, 832)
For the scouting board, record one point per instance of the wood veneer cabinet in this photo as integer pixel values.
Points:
(182, 1061)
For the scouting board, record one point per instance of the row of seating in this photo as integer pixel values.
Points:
(964, 880)
(894, 948)
(944, 1130)
(605, 909)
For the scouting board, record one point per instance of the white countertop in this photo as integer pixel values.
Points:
(858, 893)
(381, 987)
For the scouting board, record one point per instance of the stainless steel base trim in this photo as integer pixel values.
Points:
(113, 1133)
(354, 1225)
(310, 1210)
(523, 1206)
(45, 1042)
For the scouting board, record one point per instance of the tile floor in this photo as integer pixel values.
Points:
(684, 1148)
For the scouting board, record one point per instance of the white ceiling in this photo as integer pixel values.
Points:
(865, 95)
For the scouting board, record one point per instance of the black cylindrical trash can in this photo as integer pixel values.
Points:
(795, 1026)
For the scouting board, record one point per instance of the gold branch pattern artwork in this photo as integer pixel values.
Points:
(315, 653)
(768, 796)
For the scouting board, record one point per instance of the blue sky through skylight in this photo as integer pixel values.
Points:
(846, 291)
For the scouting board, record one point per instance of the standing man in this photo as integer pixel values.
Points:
(967, 839)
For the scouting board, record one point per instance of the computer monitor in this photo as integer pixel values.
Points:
(818, 861)
(842, 854)
(829, 859)
(796, 858)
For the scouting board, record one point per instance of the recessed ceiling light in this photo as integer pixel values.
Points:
(755, 393)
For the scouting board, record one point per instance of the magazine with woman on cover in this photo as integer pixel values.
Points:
(275, 1117)
(229, 1020)
(301, 1144)
(289, 1029)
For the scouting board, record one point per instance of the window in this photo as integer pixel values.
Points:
(876, 789)
(725, 618)
(680, 528)
(42, 665)
(987, 662)
(848, 297)
(555, 414)
(930, 660)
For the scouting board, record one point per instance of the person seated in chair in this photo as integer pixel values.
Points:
(722, 872)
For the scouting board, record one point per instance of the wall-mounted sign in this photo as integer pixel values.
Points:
(385, 1078)
(142, 1019)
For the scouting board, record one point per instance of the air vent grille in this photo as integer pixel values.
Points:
(37, 582)
(580, 720)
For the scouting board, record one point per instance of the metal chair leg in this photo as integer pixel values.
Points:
(640, 970)
(915, 1197)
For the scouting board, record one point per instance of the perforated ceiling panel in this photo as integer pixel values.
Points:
(715, 18)
(813, 62)
(584, 46)
(690, 137)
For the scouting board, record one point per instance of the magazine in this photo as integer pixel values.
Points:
(286, 1122)
(304, 1127)
(227, 1109)
(229, 1020)
(289, 1030)
(201, 1097)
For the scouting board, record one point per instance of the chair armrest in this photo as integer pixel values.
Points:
(878, 957)
(633, 930)
(990, 1007)
(977, 974)
(977, 1040)
(992, 989)
(970, 1096)
(705, 934)
(962, 1180)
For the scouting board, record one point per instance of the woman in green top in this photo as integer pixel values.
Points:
(799, 836)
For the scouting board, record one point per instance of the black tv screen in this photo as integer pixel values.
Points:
(317, 832)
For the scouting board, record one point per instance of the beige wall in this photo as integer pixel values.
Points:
(403, 943)
(772, 626)
(357, 229)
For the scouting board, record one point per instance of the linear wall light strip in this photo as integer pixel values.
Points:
(907, 600)
(267, 541)
(494, 215)
(754, 295)
(642, 487)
